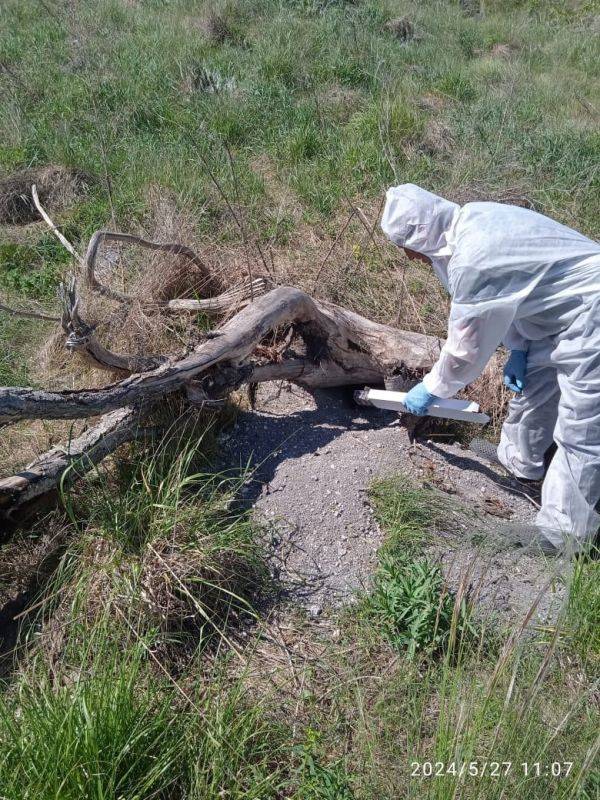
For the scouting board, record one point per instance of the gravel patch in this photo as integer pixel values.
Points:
(314, 458)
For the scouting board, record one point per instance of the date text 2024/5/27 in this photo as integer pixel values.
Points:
(491, 769)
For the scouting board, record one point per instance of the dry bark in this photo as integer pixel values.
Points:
(24, 493)
(341, 348)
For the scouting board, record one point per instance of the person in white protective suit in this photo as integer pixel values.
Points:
(519, 278)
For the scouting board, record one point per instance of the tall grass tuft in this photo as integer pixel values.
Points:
(164, 541)
(582, 612)
(109, 725)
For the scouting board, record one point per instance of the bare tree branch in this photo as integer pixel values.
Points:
(21, 312)
(284, 334)
(21, 494)
(81, 339)
(231, 300)
(100, 237)
(81, 336)
(62, 239)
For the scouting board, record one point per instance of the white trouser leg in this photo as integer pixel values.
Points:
(571, 491)
(528, 429)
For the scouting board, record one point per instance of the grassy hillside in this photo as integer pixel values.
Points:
(174, 113)
(151, 662)
(318, 97)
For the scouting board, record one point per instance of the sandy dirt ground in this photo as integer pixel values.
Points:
(313, 460)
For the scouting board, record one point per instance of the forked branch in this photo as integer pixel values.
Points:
(340, 344)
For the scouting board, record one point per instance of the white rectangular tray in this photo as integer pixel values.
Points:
(446, 409)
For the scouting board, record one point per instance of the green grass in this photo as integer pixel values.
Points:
(118, 694)
(118, 93)
(318, 780)
(409, 602)
(311, 103)
(32, 272)
(406, 512)
(462, 691)
(15, 341)
(116, 728)
(583, 608)
(173, 548)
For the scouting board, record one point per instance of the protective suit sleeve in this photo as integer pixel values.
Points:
(474, 332)
(513, 340)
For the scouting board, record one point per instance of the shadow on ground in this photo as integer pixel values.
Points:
(313, 460)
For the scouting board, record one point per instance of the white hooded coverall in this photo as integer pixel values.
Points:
(519, 278)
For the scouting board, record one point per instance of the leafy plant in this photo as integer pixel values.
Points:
(413, 607)
(319, 781)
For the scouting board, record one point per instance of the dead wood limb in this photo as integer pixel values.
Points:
(343, 346)
(112, 236)
(81, 336)
(21, 494)
(27, 314)
(325, 375)
(231, 300)
(314, 344)
(99, 237)
(81, 339)
(45, 216)
(284, 334)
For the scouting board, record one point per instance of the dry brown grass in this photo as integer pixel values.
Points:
(401, 28)
(187, 589)
(58, 187)
(438, 140)
(24, 441)
(491, 394)
(22, 556)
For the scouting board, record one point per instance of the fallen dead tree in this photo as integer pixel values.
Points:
(284, 334)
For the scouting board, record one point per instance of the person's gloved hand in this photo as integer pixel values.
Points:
(418, 400)
(515, 370)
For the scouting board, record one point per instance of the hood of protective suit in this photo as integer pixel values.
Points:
(421, 221)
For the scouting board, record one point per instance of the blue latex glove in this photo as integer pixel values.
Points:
(515, 370)
(418, 400)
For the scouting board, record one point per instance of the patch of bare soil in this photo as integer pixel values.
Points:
(58, 187)
(314, 461)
